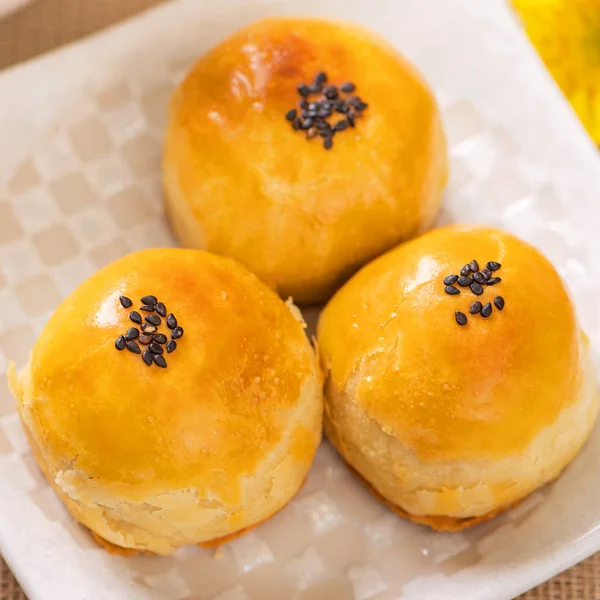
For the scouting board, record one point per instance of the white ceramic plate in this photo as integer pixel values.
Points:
(80, 185)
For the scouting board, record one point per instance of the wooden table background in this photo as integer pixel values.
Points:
(47, 24)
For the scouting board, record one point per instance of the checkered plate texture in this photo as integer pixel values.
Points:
(87, 190)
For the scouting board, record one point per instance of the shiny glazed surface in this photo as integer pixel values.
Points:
(240, 182)
(208, 419)
(446, 392)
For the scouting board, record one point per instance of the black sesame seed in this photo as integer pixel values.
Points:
(493, 266)
(461, 318)
(494, 280)
(465, 270)
(148, 328)
(120, 343)
(132, 333)
(145, 339)
(486, 311)
(486, 273)
(313, 114)
(474, 266)
(479, 278)
(133, 347)
(148, 357)
(303, 90)
(161, 309)
(149, 300)
(160, 361)
(476, 289)
(177, 333)
(320, 78)
(449, 289)
(125, 301)
(475, 307)
(499, 302)
(153, 320)
(450, 279)
(340, 125)
(171, 321)
(464, 281)
(171, 346)
(331, 92)
(155, 348)
(147, 308)
(161, 338)
(135, 316)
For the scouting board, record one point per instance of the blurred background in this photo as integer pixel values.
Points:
(565, 33)
(31, 27)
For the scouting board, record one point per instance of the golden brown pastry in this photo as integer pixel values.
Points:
(172, 399)
(456, 397)
(247, 176)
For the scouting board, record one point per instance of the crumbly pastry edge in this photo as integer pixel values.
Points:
(127, 527)
(451, 495)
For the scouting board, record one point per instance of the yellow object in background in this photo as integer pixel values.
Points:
(566, 33)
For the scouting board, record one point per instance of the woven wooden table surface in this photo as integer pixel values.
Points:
(46, 24)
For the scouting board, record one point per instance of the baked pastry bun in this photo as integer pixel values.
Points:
(302, 201)
(455, 398)
(204, 424)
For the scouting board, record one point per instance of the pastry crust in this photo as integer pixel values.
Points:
(436, 522)
(148, 458)
(239, 181)
(449, 423)
(119, 551)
